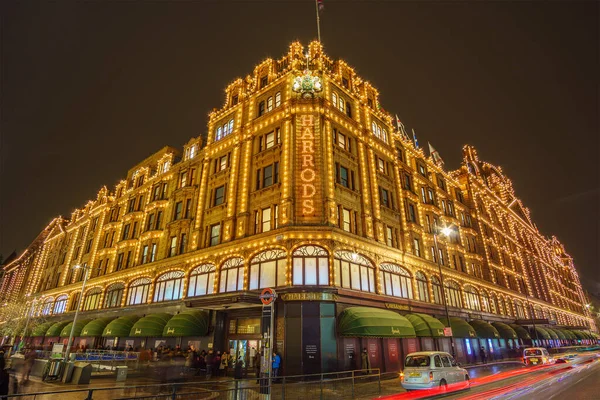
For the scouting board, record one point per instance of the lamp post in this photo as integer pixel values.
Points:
(446, 231)
(85, 275)
(28, 318)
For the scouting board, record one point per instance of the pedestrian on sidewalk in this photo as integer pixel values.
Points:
(257, 361)
(238, 370)
(209, 364)
(483, 355)
(365, 361)
(276, 365)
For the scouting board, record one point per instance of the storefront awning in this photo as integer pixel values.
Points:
(578, 334)
(568, 334)
(40, 330)
(120, 327)
(54, 330)
(426, 325)
(484, 330)
(187, 323)
(541, 334)
(460, 327)
(520, 331)
(595, 335)
(152, 325)
(66, 330)
(374, 322)
(557, 332)
(552, 334)
(96, 327)
(505, 331)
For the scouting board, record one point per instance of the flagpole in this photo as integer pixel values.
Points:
(318, 21)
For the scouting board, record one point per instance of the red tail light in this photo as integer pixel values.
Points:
(430, 376)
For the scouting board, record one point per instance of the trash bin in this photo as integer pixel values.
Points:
(82, 373)
(54, 369)
(121, 373)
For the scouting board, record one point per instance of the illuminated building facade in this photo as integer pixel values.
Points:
(303, 185)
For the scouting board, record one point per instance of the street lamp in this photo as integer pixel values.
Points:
(85, 276)
(446, 231)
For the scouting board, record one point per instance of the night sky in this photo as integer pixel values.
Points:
(90, 89)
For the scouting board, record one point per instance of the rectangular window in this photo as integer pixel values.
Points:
(385, 197)
(173, 247)
(441, 183)
(261, 108)
(264, 81)
(164, 191)
(346, 223)
(153, 252)
(416, 247)
(221, 163)
(408, 182)
(215, 234)
(430, 196)
(182, 243)
(188, 208)
(341, 140)
(178, 210)
(412, 214)
(219, 196)
(344, 177)
(119, 261)
(88, 246)
(144, 254)
(266, 219)
(269, 140)
(131, 205)
(158, 218)
(389, 239)
(381, 165)
(421, 169)
(125, 233)
(134, 230)
(140, 203)
(128, 259)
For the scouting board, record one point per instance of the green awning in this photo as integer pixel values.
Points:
(520, 331)
(484, 330)
(55, 329)
(460, 327)
(374, 322)
(96, 327)
(187, 323)
(152, 325)
(586, 335)
(120, 327)
(557, 332)
(505, 331)
(568, 334)
(578, 334)
(541, 334)
(426, 325)
(552, 334)
(594, 335)
(41, 329)
(66, 330)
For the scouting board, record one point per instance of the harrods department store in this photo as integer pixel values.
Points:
(302, 183)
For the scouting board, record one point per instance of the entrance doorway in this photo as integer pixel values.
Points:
(245, 349)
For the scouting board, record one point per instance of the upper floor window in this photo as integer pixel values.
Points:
(412, 213)
(269, 140)
(310, 266)
(60, 305)
(202, 280)
(264, 81)
(178, 210)
(268, 269)
(408, 182)
(270, 104)
(267, 176)
(416, 247)
(441, 182)
(219, 195)
(379, 132)
(261, 108)
(452, 291)
(353, 271)
(341, 140)
(232, 275)
(472, 298)
(215, 234)
(221, 163)
(344, 176)
(459, 195)
(396, 281)
(138, 291)
(190, 152)
(114, 294)
(277, 99)
(386, 198)
(421, 168)
(224, 130)
(234, 99)
(47, 307)
(169, 286)
(422, 289)
(92, 299)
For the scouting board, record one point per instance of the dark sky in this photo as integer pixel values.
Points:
(90, 89)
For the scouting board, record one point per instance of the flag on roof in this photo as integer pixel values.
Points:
(320, 5)
(415, 139)
(401, 128)
(435, 155)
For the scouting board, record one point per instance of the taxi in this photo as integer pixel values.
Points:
(536, 356)
(432, 369)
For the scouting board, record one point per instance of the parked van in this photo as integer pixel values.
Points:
(536, 356)
(430, 369)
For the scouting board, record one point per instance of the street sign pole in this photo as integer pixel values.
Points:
(267, 297)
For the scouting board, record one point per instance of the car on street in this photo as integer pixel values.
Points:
(536, 356)
(433, 369)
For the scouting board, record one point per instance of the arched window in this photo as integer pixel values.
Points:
(436, 288)
(268, 269)
(47, 306)
(472, 298)
(60, 305)
(114, 295)
(138, 291)
(509, 308)
(219, 133)
(270, 104)
(422, 289)
(353, 271)
(277, 99)
(74, 301)
(452, 294)
(485, 301)
(169, 286)
(501, 306)
(342, 104)
(396, 281)
(92, 299)
(520, 310)
(232, 275)
(310, 266)
(537, 311)
(202, 280)
(334, 99)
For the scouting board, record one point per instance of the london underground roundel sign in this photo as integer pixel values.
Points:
(267, 296)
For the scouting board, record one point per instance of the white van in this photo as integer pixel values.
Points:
(430, 369)
(536, 356)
